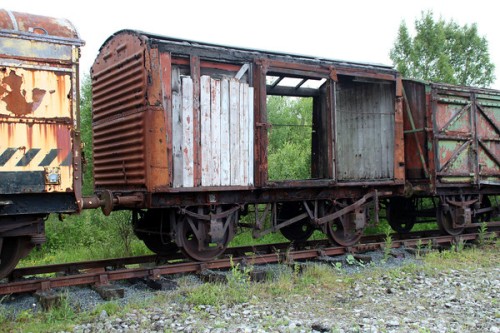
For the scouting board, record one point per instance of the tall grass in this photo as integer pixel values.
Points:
(87, 236)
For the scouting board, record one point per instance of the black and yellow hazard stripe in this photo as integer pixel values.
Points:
(28, 156)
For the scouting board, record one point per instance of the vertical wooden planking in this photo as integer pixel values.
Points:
(234, 122)
(225, 154)
(251, 139)
(195, 76)
(244, 133)
(215, 98)
(177, 128)
(205, 124)
(187, 132)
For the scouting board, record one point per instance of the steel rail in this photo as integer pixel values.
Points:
(105, 277)
(76, 267)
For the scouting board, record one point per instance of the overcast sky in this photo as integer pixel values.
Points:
(348, 30)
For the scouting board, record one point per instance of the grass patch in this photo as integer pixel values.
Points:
(59, 318)
(471, 258)
(87, 236)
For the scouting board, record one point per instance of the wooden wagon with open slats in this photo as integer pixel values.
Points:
(181, 138)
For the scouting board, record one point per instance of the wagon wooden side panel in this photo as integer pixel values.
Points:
(466, 136)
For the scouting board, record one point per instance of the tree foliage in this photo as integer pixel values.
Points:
(86, 132)
(289, 152)
(444, 52)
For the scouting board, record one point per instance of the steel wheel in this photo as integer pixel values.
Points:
(343, 230)
(193, 238)
(299, 231)
(153, 228)
(11, 251)
(341, 233)
(445, 222)
(401, 214)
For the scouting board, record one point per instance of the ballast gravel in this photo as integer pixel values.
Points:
(449, 301)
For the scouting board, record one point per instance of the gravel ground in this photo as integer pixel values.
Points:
(451, 301)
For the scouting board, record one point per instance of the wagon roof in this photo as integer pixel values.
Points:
(232, 53)
(38, 27)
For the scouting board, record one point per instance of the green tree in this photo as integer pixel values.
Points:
(444, 52)
(289, 152)
(86, 132)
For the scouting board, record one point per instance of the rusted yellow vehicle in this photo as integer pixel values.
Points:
(40, 159)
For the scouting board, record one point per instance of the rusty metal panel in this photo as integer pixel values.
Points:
(466, 135)
(166, 78)
(36, 148)
(37, 37)
(365, 130)
(453, 131)
(399, 142)
(415, 123)
(119, 151)
(35, 49)
(39, 142)
(35, 93)
(120, 114)
(488, 137)
(36, 24)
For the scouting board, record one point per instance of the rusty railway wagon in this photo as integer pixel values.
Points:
(181, 131)
(452, 157)
(181, 139)
(40, 163)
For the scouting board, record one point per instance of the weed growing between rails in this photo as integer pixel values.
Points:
(387, 244)
(237, 289)
(485, 238)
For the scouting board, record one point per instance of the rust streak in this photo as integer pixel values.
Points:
(15, 98)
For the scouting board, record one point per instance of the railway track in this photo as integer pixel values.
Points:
(103, 272)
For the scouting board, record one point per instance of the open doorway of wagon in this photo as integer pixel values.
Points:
(291, 132)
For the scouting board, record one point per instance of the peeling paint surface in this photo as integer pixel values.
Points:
(34, 93)
(33, 147)
(467, 132)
